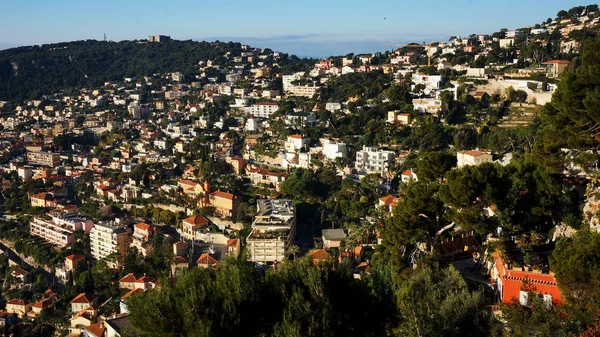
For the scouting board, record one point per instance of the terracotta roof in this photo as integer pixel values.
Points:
(84, 298)
(407, 173)
(179, 259)
(388, 199)
(296, 136)
(556, 62)
(75, 257)
(473, 153)
(207, 259)
(97, 329)
(187, 182)
(319, 254)
(16, 301)
(19, 272)
(131, 292)
(232, 242)
(129, 278)
(42, 304)
(196, 220)
(223, 195)
(479, 94)
(143, 226)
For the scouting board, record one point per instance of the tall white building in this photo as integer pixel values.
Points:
(262, 109)
(272, 232)
(372, 160)
(107, 238)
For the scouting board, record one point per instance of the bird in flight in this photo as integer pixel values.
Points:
(384, 18)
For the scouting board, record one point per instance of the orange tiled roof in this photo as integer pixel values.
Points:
(143, 226)
(131, 292)
(75, 257)
(196, 220)
(232, 242)
(207, 258)
(319, 254)
(129, 278)
(16, 301)
(84, 298)
(223, 195)
(97, 329)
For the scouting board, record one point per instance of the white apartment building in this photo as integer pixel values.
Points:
(107, 238)
(302, 91)
(272, 232)
(430, 81)
(332, 149)
(428, 105)
(472, 157)
(295, 143)
(372, 160)
(59, 230)
(288, 79)
(262, 109)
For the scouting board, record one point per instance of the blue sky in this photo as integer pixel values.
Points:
(306, 28)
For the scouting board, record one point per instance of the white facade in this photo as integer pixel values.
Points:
(262, 110)
(108, 238)
(430, 81)
(332, 106)
(333, 150)
(372, 160)
(296, 142)
(472, 157)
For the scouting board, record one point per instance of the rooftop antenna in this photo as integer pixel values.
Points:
(105, 36)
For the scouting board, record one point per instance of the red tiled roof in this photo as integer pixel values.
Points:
(131, 292)
(232, 242)
(75, 257)
(16, 301)
(84, 298)
(223, 195)
(319, 254)
(97, 329)
(129, 278)
(143, 226)
(179, 259)
(196, 220)
(207, 258)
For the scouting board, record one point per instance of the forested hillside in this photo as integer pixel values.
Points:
(29, 72)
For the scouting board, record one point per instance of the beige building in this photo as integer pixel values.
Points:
(472, 157)
(556, 67)
(43, 158)
(18, 307)
(83, 301)
(224, 204)
(272, 232)
(107, 238)
(191, 225)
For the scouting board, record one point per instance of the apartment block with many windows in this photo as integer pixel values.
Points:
(273, 231)
(107, 238)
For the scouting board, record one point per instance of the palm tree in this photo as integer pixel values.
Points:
(294, 250)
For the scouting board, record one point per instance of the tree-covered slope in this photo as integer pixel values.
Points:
(27, 72)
